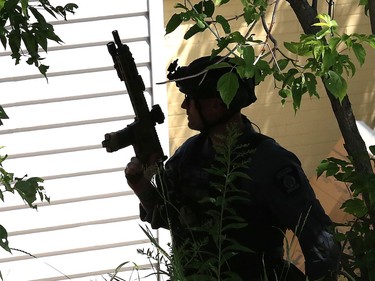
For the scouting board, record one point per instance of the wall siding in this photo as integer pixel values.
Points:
(55, 132)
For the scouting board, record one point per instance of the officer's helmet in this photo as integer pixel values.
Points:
(205, 85)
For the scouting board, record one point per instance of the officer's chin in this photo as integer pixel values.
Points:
(193, 126)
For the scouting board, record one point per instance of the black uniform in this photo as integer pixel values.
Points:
(279, 198)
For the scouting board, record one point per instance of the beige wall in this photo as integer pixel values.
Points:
(313, 131)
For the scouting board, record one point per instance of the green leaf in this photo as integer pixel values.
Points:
(310, 81)
(329, 59)
(15, 44)
(209, 8)
(11, 5)
(30, 42)
(4, 239)
(2, 4)
(222, 44)
(3, 115)
(324, 17)
(249, 56)
(39, 17)
(173, 23)
(323, 32)
(298, 90)
(250, 14)
(327, 166)
(262, 70)
(359, 52)
(285, 93)
(333, 42)
(336, 84)
(283, 63)
(237, 37)
(192, 31)
(292, 47)
(246, 68)
(228, 86)
(43, 70)
(289, 77)
(224, 24)
(350, 68)
(25, 5)
(42, 41)
(220, 2)
(355, 207)
(26, 192)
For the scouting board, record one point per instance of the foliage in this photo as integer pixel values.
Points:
(326, 55)
(357, 234)
(231, 160)
(24, 29)
(22, 25)
(192, 261)
(3, 115)
(27, 188)
(240, 45)
(326, 58)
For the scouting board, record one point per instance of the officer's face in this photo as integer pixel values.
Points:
(211, 110)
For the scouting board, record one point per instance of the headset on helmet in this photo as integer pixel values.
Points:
(205, 85)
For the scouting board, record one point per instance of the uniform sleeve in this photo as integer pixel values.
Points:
(158, 204)
(285, 190)
(152, 209)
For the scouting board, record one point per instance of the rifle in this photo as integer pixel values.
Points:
(141, 134)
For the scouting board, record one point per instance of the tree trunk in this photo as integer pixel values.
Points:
(371, 6)
(354, 143)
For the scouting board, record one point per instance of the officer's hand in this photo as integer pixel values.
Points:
(134, 171)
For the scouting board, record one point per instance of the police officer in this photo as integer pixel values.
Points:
(279, 194)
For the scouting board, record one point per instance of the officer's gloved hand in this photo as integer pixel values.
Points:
(323, 262)
(139, 177)
(134, 171)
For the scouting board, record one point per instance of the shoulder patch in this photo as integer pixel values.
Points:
(288, 179)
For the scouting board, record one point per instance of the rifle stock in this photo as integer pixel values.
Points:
(141, 134)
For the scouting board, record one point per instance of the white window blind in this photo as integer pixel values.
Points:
(55, 132)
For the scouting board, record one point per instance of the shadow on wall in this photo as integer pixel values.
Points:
(330, 192)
